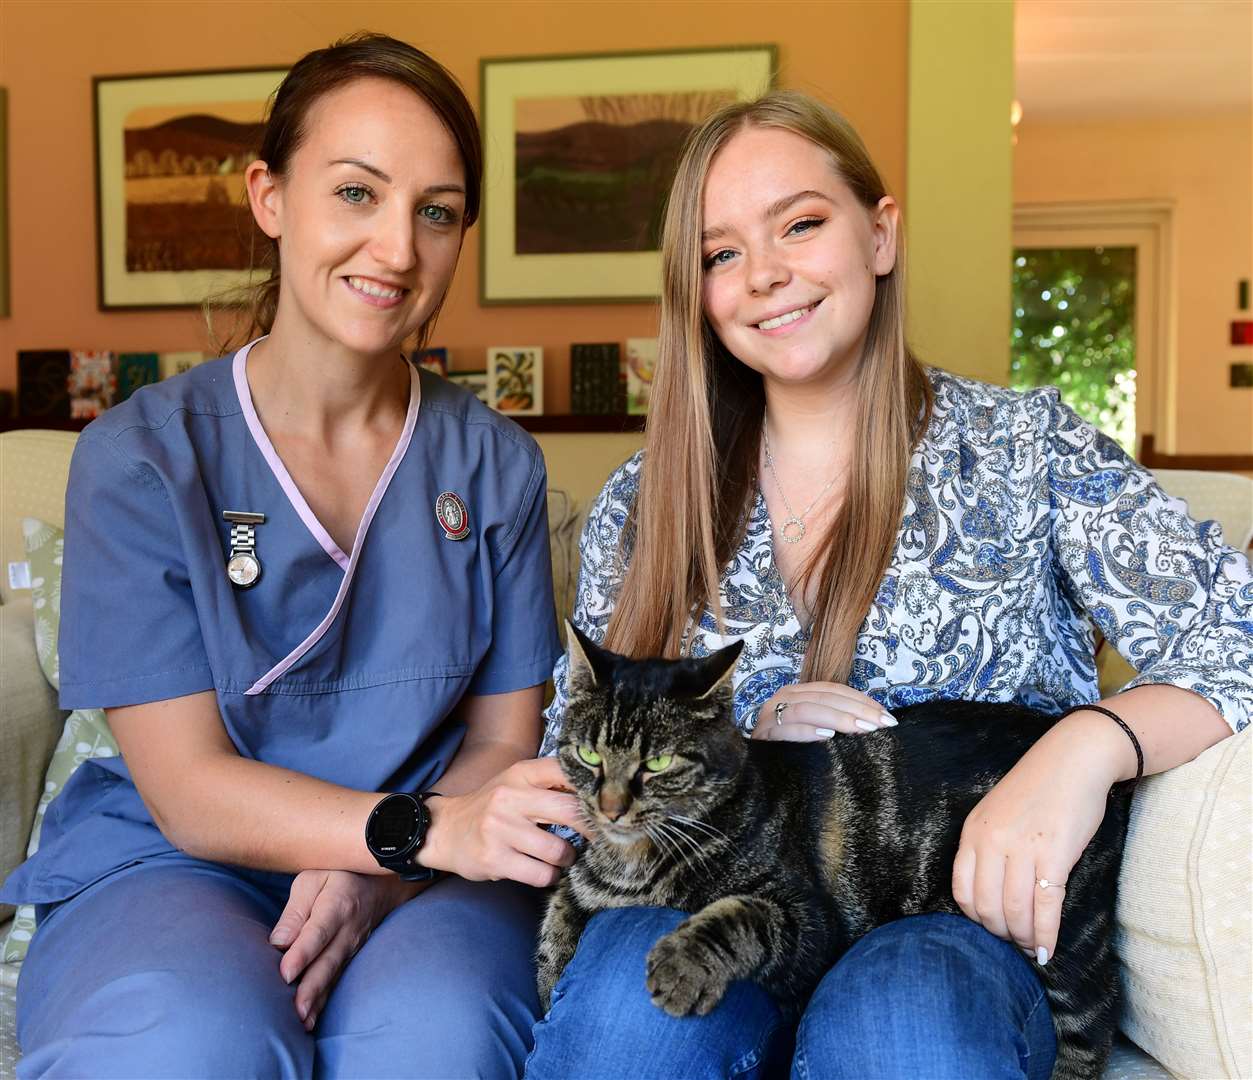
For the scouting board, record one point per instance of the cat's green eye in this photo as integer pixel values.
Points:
(589, 756)
(659, 764)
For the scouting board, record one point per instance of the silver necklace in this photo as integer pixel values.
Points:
(793, 530)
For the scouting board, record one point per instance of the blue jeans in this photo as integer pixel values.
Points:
(934, 996)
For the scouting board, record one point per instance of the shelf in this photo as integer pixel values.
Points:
(592, 425)
(614, 424)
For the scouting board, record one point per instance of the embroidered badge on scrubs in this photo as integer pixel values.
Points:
(243, 567)
(452, 515)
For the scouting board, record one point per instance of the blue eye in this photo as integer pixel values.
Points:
(808, 225)
(354, 194)
(716, 259)
(440, 215)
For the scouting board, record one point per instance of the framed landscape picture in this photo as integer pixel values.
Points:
(172, 222)
(579, 155)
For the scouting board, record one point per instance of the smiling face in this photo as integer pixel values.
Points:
(790, 258)
(368, 218)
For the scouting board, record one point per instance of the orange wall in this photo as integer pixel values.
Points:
(1204, 166)
(853, 55)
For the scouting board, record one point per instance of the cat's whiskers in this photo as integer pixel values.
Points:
(668, 847)
(707, 831)
(678, 835)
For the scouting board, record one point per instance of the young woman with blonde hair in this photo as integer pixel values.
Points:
(879, 533)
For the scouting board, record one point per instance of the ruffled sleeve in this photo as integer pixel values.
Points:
(1166, 591)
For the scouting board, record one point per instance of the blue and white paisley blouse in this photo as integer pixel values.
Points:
(1024, 527)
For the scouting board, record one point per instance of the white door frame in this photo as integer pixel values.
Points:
(1148, 226)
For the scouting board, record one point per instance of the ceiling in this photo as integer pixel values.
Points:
(1132, 58)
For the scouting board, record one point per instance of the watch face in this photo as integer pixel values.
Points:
(393, 826)
(243, 570)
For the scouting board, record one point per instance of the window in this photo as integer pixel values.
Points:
(1110, 349)
(1074, 328)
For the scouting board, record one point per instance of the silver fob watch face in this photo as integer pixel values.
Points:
(243, 570)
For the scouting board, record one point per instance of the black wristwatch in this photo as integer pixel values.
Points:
(395, 831)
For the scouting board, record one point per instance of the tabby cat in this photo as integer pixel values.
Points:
(786, 853)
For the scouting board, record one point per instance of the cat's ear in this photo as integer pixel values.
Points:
(717, 668)
(586, 659)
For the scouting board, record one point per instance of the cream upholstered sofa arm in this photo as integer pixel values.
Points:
(1184, 921)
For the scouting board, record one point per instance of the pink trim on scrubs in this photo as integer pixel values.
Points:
(349, 565)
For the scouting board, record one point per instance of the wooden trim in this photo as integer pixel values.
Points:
(1150, 458)
(571, 425)
(577, 425)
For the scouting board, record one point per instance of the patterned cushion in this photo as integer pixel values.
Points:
(44, 545)
(86, 733)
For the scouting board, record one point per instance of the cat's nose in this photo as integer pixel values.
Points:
(613, 804)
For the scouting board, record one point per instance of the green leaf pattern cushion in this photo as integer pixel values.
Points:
(86, 733)
(44, 545)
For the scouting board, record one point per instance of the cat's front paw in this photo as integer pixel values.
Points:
(685, 974)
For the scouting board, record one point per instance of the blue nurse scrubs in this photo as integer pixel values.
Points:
(342, 665)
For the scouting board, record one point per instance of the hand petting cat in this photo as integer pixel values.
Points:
(819, 710)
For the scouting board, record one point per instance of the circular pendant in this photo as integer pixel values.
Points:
(243, 570)
(452, 515)
(793, 530)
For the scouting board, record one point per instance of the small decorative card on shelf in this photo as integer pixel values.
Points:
(515, 379)
(596, 384)
(435, 360)
(474, 381)
(43, 377)
(641, 360)
(92, 382)
(133, 371)
(175, 363)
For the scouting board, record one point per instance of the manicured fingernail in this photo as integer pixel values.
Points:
(281, 937)
(866, 725)
(1041, 956)
(825, 732)
(887, 720)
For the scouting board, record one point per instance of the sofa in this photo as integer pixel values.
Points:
(1184, 906)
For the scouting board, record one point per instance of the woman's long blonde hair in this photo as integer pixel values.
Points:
(705, 419)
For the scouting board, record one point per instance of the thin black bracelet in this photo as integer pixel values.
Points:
(1122, 724)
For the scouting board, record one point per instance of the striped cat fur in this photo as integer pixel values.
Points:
(784, 854)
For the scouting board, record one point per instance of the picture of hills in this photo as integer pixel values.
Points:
(184, 185)
(598, 183)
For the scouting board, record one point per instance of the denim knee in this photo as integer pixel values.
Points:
(602, 1022)
(931, 995)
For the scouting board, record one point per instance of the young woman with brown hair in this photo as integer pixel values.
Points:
(311, 586)
(879, 534)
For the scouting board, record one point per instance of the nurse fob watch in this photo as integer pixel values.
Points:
(395, 831)
(243, 567)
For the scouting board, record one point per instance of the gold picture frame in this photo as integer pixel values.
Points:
(172, 226)
(579, 154)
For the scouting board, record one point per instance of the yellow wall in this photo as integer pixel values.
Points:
(961, 84)
(1204, 165)
(851, 54)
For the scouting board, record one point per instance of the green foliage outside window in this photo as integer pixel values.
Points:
(1074, 328)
